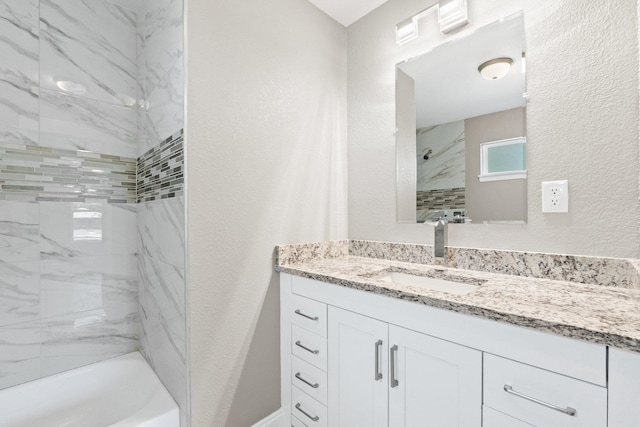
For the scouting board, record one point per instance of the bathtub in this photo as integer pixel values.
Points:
(120, 392)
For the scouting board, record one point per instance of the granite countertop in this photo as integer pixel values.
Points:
(601, 314)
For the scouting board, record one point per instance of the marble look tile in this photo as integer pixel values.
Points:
(19, 231)
(163, 325)
(74, 285)
(445, 167)
(164, 109)
(143, 142)
(19, 78)
(162, 292)
(403, 252)
(291, 254)
(160, 40)
(161, 231)
(19, 292)
(71, 230)
(79, 339)
(75, 47)
(132, 5)
(19, 354)
(592, 270)
(76, 123)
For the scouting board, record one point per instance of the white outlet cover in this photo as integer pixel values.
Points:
(555, 196)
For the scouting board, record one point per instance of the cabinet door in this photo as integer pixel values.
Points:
(624, 388)
(358, 386)
(439, 384)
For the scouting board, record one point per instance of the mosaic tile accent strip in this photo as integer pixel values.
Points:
(449, 198)
(161, 170)
(41, 174)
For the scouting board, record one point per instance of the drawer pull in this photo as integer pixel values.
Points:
(567, 410)
(377, 373)
(392, 366)
(314, 419)
(299, 344)
(298, 376)
(299, 313)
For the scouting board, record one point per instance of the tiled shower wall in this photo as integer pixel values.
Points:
(161, 207)
(76, 285)
(68, 277)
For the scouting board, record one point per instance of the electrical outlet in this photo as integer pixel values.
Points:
(555, 196)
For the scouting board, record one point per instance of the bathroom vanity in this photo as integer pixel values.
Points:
(371, 342)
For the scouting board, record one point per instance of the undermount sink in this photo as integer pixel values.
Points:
(425, 282)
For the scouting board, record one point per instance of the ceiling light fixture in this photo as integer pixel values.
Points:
(71, 87)
(496, 68)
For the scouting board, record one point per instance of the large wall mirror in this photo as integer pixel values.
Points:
(461, 128)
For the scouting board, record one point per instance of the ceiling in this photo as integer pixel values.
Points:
(347, 12)
(448, 86)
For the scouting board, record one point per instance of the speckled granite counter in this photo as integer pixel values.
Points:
(607, 315)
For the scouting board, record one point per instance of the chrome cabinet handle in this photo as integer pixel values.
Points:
(392, 366)
(312, 418)
(568, 410)
(377, 373)
(298, 376)
(299, 313)
(299, 344)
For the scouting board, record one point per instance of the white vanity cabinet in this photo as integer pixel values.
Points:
(384, 375)
(624, 388)
(358, 382)
(377, 361)
(433, 382)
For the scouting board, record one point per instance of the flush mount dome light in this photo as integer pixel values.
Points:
(496, 68)
(71, 87)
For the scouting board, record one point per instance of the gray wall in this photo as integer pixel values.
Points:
(582, 78)
(493, 200)
(266, 132)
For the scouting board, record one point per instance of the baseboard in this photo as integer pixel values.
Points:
(274, 420)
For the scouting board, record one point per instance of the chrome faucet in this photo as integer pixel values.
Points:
(440, 236)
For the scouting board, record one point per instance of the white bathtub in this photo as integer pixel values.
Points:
(120, 392)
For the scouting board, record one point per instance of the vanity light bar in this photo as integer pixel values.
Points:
(407, 30)
(452, 14)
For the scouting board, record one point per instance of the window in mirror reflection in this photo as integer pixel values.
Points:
(502, 160)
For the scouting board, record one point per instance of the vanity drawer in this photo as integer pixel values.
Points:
(493, 418)
(309, 347)
(295, 422)
(310, 379)
(309, 314)
(307, 409)
(542, 398)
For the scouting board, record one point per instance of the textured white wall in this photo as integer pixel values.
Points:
(582, 76)
(266, 150)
